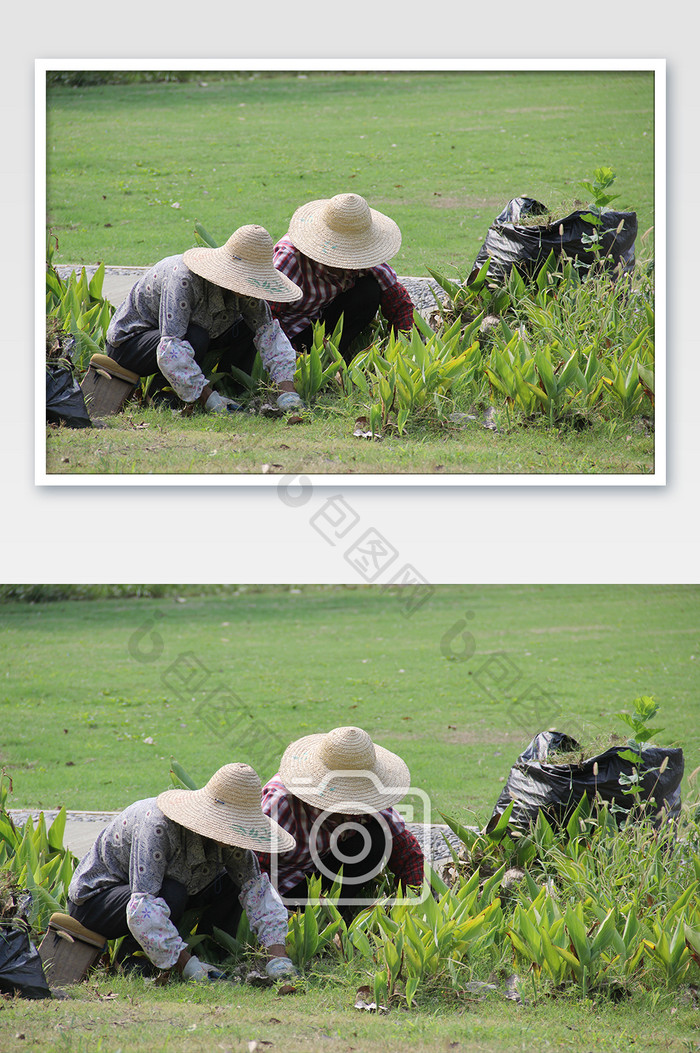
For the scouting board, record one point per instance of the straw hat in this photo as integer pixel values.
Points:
(244, 265)
(343, 231)
(228, 810)
(344, 771)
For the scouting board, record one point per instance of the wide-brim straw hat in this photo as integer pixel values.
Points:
(244, 265)
(344, 771)
(343, 231)
(228, 810)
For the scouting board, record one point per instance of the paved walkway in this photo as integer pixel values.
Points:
(82, 828)
(119, 281)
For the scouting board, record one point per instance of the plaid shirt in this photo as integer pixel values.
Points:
(321, 284)
(406, 861)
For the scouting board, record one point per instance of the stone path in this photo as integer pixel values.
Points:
(119, 280)
(82, 828)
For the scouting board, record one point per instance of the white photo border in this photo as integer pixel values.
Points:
(657, 66)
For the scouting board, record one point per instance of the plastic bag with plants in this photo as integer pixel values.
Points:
(633, 776)
(525, 232)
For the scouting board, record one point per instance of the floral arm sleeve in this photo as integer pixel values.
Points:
(147, 914)
(175, 355)
(277, 354)
(176, 363)
(267, 915)
(148, 918)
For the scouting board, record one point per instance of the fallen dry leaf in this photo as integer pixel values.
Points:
(258, 979)
(268, 410)
(512, 992)
(490, 419)
(479, 987)
(362, 429)
(364, 999)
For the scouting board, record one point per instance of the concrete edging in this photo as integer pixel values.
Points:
(118, 282)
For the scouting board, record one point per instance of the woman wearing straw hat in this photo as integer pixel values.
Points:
(208, 300)
(334, 794)
(336, 250)
(185, 849)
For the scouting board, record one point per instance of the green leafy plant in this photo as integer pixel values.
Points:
(414, 374)
(431, 938)
(319, 366)
(36, 860)
(77, 310)
(645, 709)
(470, 301)
(306, 937)
(603, 179)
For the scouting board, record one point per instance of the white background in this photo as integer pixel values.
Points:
(446, 533)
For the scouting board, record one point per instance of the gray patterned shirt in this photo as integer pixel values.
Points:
(141, 847)
(169, 297)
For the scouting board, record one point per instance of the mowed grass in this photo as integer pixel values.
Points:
(130, 168)
(124, 1015)
(154, 442)
(98, 696)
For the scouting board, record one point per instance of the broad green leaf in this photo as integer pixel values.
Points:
(57, 831)
(96, 282)
(183, 777)
(412, 984)
(203, 237)
(579, 938)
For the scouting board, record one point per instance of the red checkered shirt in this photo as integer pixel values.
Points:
(406, 861)
(321, 284)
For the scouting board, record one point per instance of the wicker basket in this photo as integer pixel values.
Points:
(106, 386)
(69, 950)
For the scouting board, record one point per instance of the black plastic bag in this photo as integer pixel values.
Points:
(535, 784)
(21, 971)
(511, 244)
(64, 399)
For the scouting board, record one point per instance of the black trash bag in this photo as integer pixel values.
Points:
(64, 399)
(21, 971)
(510, 244)
(534, 784)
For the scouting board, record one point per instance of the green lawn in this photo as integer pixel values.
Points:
(458, 686)
(117, 1015)
(153, 442)
(131, 167)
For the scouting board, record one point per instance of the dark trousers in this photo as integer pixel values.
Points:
(360, 859)
(139, 352)
(358, 306)
(105, 912)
